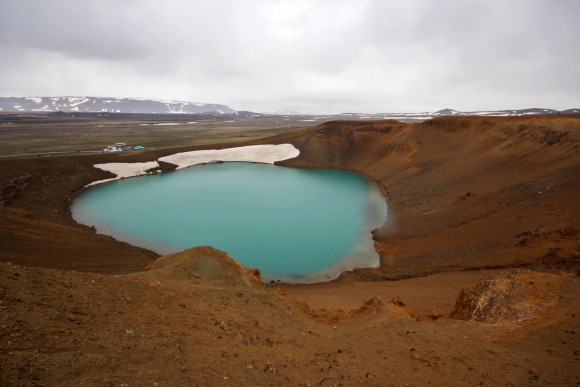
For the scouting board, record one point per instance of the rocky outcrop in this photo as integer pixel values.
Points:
(515, 297)
(204, 263)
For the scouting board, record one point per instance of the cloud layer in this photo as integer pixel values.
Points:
(304, 55)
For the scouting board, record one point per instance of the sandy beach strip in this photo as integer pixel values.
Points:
(267, 154)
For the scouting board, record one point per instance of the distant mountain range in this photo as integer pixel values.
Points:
(520, 112)
(108, 105)
(147, 106)
(414, 117)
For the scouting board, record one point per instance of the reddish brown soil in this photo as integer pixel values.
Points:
(199, 319)
(465, 194)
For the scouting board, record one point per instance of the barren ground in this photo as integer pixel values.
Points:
(478, 281)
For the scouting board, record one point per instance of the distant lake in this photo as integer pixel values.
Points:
(296, 226)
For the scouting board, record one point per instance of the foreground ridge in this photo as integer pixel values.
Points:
(199, 317)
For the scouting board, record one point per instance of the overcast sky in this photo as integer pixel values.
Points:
(324, 56)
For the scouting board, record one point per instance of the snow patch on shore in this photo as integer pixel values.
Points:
(124, 170)
(267, 154)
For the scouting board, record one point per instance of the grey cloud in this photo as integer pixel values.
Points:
(73, 28)
(331, 56)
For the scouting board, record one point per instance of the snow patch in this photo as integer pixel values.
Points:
(267, 154)
(418, 118)
(75, 101)
(124, 170)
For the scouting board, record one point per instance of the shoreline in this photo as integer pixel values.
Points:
(354, 259)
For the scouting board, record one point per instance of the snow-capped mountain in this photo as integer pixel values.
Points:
(415, 117)
(109, 105)
(520, 112)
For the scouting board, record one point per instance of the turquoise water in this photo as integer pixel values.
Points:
(294, 225)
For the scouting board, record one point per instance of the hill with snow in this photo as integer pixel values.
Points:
(109, 105)
(418, 117)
